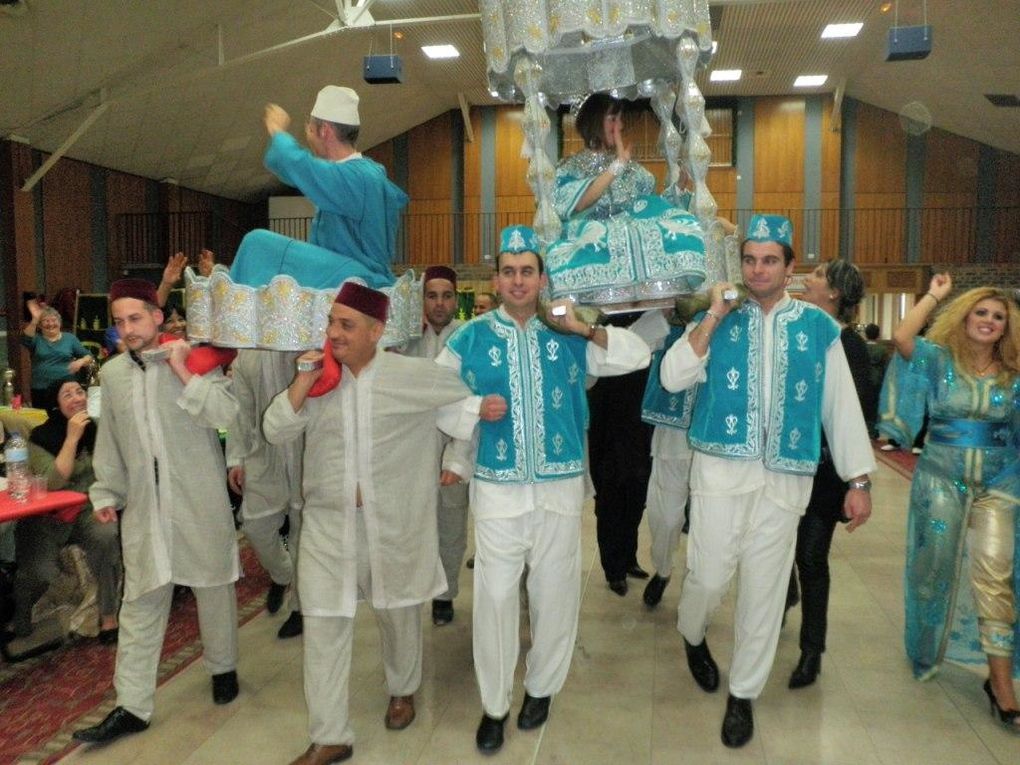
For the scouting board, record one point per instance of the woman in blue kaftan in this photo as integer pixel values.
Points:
(620, 241)
(961, 584)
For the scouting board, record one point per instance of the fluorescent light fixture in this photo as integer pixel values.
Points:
(810, 80)
(440, 51)
(842, 30)
(715, 47)
(725, 75)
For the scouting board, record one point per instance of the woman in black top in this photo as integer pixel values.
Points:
(837, 287)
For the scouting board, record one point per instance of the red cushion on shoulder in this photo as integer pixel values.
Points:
(331, 372)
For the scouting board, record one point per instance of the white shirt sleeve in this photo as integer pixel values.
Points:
(681, 367)
(625, 352)
(842, 418)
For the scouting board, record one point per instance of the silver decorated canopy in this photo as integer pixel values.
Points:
(550, 52)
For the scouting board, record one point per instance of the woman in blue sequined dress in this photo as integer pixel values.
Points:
(961, 588)
(619, 240)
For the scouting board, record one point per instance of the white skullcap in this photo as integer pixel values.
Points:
(337, 104)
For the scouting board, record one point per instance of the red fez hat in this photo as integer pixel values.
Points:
(440, 272)
(361, 298)
(139, 289)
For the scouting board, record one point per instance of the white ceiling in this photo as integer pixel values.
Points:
(174, 111)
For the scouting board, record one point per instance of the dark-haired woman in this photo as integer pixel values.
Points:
(617, 231)
(837, 288)
(61, 449)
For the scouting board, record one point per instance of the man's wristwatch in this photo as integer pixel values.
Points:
(863, 484)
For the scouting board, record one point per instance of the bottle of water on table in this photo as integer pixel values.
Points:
(18, 474)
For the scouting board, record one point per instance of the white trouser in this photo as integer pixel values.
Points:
(550, 544)
(668, 487)
(142, 628)
(279, 560)
(752, 536)
(452, 516)
(327, 641)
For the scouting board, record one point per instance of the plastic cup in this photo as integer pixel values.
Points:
(38, 488)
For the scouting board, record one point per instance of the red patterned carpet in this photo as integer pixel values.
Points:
(43, 700)
(902, 461)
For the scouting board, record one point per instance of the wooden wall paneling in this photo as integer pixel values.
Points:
(949, 220)
(511, 167)
(778, 146)
(472, 229)
(383, 154)
(473, 157)
(430, 184)
(832, 147)
(881, 184)
(429, 172)
(1007, 216)
(67, 223)
(428, 231)
(124, 195)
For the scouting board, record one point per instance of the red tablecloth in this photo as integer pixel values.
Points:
(53, 501)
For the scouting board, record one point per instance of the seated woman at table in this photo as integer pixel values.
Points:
(61, 449)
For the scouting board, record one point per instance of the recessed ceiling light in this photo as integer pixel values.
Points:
(725, 75)
(440, 51)
(842, 30)
(810, 80)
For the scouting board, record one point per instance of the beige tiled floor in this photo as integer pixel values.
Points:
(629, 697)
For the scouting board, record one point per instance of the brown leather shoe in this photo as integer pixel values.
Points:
(400, 712)
(324, 754)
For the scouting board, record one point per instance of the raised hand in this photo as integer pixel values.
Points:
(276, 119)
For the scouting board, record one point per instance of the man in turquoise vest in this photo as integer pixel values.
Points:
(772, 375)
(528, 485)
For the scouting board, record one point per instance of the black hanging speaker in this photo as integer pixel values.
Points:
(383, 70)
(908, 43)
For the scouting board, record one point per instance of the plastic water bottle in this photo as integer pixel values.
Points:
(18, 475)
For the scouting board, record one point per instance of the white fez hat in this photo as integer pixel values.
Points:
(337, 104)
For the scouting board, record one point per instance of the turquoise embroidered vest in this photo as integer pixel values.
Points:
(541, 375)
(659, 406)
(729, 420)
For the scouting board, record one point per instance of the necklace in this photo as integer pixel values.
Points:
(984, 370)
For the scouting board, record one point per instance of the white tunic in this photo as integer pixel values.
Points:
(272, 474)
(179, 529)
(713, 476)
(376, 431)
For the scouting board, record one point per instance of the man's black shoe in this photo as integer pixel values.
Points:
(738, 724)
(807, 669)
(534, 712)
(224, 687)
(118, 723)
(637, 572)
(293, 627)
(489, 737)
(654, 589)
(619, 586)
(442, 612)
(274, 598)
(703, 667)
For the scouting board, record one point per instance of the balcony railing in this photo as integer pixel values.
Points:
(893, 235)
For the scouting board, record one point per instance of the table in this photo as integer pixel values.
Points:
(53, 501)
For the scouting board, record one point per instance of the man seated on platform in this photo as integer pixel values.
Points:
(369, 519)
(357, 212)
(158, 457)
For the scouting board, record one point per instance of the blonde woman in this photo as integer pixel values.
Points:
(960, 587)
